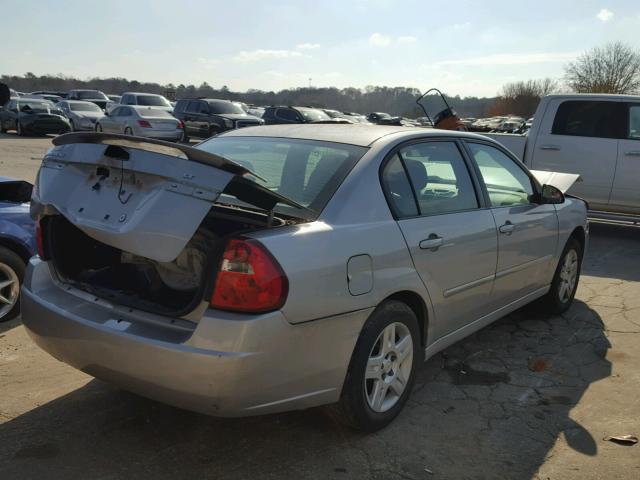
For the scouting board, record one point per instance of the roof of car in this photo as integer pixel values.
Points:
(353, 134)
(140, 93)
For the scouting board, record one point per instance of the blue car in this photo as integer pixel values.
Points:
(17, 242)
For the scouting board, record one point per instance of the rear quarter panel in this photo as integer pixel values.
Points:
(357, 221)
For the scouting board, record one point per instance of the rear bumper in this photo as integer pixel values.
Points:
(226, 365)
(171, 135)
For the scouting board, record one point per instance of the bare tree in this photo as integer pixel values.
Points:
(614, 68)
(522, 98)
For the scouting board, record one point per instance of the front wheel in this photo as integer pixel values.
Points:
(382, 368)
(19, 129)
(98, 128)
(565, 280)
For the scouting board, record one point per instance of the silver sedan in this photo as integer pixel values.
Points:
(141, 122)
(82, 115)
(285, 267)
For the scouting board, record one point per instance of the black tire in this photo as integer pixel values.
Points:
(2, 127)
(98, 128)
(19, 129)
(553, 302)
(12, 261)
(128, 131)
(353, 408)
(185, 137)
(72, 127)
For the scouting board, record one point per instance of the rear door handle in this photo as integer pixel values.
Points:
(432, 243)
(507, 228)
(633, 153)
(550, 147)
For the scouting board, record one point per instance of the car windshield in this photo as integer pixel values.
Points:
(154, 112)
(35, 106)
(84, 107)
(305, 171)
(313, 115)
(91, 94)
(152, 101)
(225, 107)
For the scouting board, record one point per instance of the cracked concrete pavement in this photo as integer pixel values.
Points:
(530, 397)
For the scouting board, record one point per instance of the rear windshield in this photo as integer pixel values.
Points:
(305, 171)
(154, 112)
(152, 101)
(36, 106)
(91, 94)
(85, 107)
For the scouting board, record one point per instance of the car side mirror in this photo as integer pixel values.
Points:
(551, 195)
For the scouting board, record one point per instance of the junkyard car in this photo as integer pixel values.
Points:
(17, 242)
(141, 122)
(284, 267)
(32, 116)
(82, 115)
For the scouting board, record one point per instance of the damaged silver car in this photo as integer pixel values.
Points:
(285, 267)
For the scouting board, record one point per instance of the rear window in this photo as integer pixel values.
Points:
(152, 101)
(305, 171)
(154, 112)
(84, 107)
(91, 94)
(582, 118)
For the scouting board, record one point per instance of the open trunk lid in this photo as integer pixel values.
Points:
(142, 196)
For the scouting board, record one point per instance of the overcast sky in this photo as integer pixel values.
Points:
(465, 47)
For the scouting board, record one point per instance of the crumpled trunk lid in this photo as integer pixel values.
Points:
(146, 197)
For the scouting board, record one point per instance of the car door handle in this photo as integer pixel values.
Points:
(507, 228)
(432, 243)
(633, 153)
(550, 147)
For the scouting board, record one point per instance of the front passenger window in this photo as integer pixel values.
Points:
(507, 183)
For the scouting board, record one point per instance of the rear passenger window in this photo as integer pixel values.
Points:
(587, 119)
(287, 115)
(193, 106)
(398, 189)
(439, 177)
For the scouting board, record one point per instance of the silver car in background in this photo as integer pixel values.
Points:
(289, 266)
(82, 115)
(141, 122)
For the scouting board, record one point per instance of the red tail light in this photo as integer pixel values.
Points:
(39, 241)
(144, 124)
(180, 124)
(249, 279)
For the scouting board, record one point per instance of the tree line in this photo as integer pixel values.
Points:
(613, 68)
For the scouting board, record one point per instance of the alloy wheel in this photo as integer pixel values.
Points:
(568, 276)
(388, 367)
(9, 289)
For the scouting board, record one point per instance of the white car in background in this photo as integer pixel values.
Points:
(145, 100)
(141, 122)
(82, 115)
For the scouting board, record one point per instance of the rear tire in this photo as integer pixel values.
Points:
(382, 368)
(11, 275)
(565, 280)
(128, 131)
(2, 128)
(98, 128)
(19, 129)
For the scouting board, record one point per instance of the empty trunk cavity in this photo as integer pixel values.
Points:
(170, 288)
